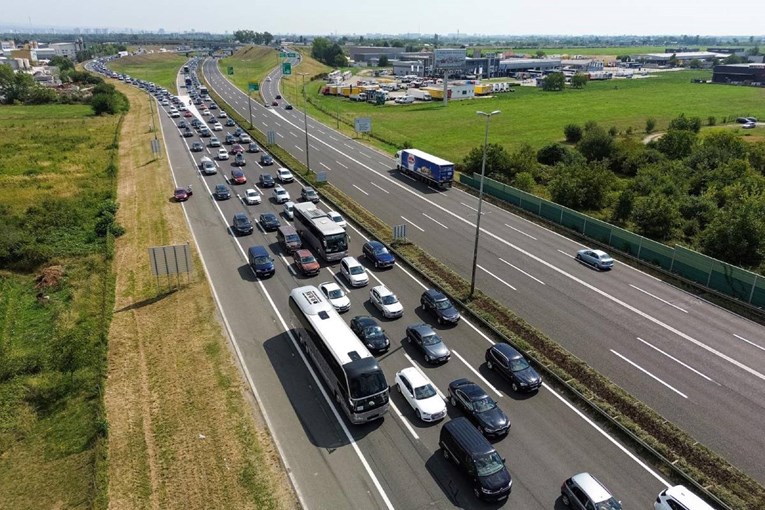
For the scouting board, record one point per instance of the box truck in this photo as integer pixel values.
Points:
(425, 167)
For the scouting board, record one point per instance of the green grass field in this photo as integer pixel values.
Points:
(52, 354)
(250, 64)
(160, 68)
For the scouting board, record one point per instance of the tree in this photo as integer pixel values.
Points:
(540, 54)
(650, 125)
(62, 63)
(14, 86)
(579, 80)
(655, 216)
(695, 63)
(676, 143)
(684, 123)
(554, 82)
(737, 234)
(572, 132)
(383, 61)
(524, 181)
(581, 185)
(552, 154)
(497, 159)
(267, 38)
(108, 103)
(596, 144)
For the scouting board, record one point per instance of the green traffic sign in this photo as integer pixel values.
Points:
(282, 54)
(230, 69)
(253, 86)
(292, 55)
(286, 69)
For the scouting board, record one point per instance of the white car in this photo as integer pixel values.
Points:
(679, 497)
(421, 394)
(337, 218)
(175, 113)
(222, 153)
(354, 272)
(217, 126)
(289, 210)
(222, 115)
(336, 296)
(244, 138)
(208, 166)
(281, 195)
(386, 301)
(284, 175)
(251, 197)
(206, 113)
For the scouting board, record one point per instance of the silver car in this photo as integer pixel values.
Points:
(596, 258)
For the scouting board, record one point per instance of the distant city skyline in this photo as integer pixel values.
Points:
(444, 17)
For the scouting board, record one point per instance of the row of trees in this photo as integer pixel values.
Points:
(248, 36)
(704, 191)
(329, 52)
(555, 82)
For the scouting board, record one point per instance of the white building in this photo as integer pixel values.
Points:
(65, 49)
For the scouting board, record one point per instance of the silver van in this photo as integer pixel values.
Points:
(585, 492)
(288, 238)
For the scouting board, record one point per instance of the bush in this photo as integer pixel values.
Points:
(552, 154)
(524, 181)
(711, 121)
(573, 133)
(650, 125)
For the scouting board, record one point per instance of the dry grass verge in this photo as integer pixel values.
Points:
(181, 431)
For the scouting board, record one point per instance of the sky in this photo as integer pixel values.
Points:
(322, 17)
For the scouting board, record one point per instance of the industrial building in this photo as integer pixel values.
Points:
(518, 65)
(740, 74)
(660, 59)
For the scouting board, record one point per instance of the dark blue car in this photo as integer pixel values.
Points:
(260, 261)
(378, 254)
(513, 366)
(269, 222)
(440, 306)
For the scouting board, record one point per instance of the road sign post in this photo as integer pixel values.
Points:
(286, 69)
(252, 86)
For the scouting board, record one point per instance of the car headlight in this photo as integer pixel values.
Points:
(486, 491)
(425, 416)
(523, 384)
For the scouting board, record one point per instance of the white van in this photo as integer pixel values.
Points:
(405, 100)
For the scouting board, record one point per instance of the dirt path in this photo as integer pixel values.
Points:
(181, 431)
(652, 137)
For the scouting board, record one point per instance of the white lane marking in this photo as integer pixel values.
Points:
(298, 148)
(367, 194)
(678, 361)
(293, 134)
(566, 254)
(606, 435)
(337, 279)
(342, 165)
(280, 135)
(349, 146)
(417, 367)
(325, 166)
(313, 147)
(320, 131)
(478, 374)
(470, 207)
(413, 224)
(495, 276)
(657, 297)
(379, 187)
(521, 271)
(749, 342)
(520, 232)
(435, 221)
(403, 420)
(365, 155)
(277, 123)
(649, 374)
(492, 342)
(286, 263)
(333, 138)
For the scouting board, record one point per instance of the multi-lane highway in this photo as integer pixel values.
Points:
(699, 365)
(394, 462)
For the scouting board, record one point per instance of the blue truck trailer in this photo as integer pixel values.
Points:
(425, 167)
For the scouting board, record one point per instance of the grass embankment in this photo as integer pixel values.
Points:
(55, 174)
(251, 64)
(182, 433)
(160, 68)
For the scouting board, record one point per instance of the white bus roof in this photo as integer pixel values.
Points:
(327, 322)
(319, 218)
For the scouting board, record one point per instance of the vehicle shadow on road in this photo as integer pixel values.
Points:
(455, 485)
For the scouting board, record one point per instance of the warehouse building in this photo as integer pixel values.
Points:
(520, 65)
(740, 74)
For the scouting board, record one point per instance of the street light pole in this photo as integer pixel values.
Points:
(480, 197)
(305, 121)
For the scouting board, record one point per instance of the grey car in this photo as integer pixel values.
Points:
(583, 492)
(428, 342)
(595, 258)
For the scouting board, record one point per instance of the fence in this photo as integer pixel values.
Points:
(732, 281)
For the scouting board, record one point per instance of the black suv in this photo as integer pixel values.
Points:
(222, 192)
(440, 306)
(511, 364)
(266, 159)
(266, 181)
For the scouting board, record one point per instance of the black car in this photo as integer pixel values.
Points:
(266, 181)
(288, 107)
(213, 106)
(278, 96)
(440, 306)
(378, 254)
(511, 364)
(183, 124)
(196, 123)
(266, 159)
(242, 224)
(479, 407)
(238, 131)
(370, 333)
(197, 147)
(230, 122)
(221, 192)
(269, 222)
(428, 342)
(253, 147)
(229, 139)
(309, 195)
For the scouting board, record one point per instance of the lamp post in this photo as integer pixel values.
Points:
(480, 198)
(305, 121)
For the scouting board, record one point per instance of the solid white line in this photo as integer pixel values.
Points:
(749, 342)
(379, 187)
(403, 420)
(678, 361)
(435, 221)
(658, 298)
(521, 232)
(417, 367)
(367, 194)
(649, 374)
(606, 435)
(477, 373)
(495, 276)
(325, 166)
(412, 224)
(342, 165)
(492, 342)
(521, 271)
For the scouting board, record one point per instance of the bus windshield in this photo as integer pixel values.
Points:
(367, 384)
(336, 242)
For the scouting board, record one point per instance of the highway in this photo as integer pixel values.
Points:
(699, 365)
(394, 462)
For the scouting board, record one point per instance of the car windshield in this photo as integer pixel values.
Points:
(365, 385)
(390, 299)
(609, 504)
(483, 405)
(356, 270)
(292, 238)
(308, 259)
(431, 339)
(489, 464)
(262, 260)
(373, 331)
(424, 392)
(443, 304)
(336, 242)
(518, 364)
(381, 250)
(335, 294)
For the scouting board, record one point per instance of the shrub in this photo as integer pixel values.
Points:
(650, 125)
(573, 133)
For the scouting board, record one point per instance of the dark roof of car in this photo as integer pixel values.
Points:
(375, 244)
(468, 436)
(365, 320)
(507, 350)
(423, 329)
(471, 389)
(240, 216)
(220, 187)
(268, 216)
(435, 294)
(258, 251)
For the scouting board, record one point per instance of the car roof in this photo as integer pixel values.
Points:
(268, 215)
(351, 261)
(422, 329)
(471, 389)
(600, 253)
(592, 487)
(220, 186)
(236, 171)
(382, 290)
(687, 498)
(507, 350)
(468, 436)
(240, 215)
(303, 253)
(250, 191)
(365, 320)
(435, 294)
(329, 285)
(375, 244)
(257, 251)
(415, 377)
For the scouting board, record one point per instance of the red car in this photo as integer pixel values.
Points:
(274, 103)
(187, 113)
(306, 262)
(236, 149)
(238, 177)
(182, 194)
